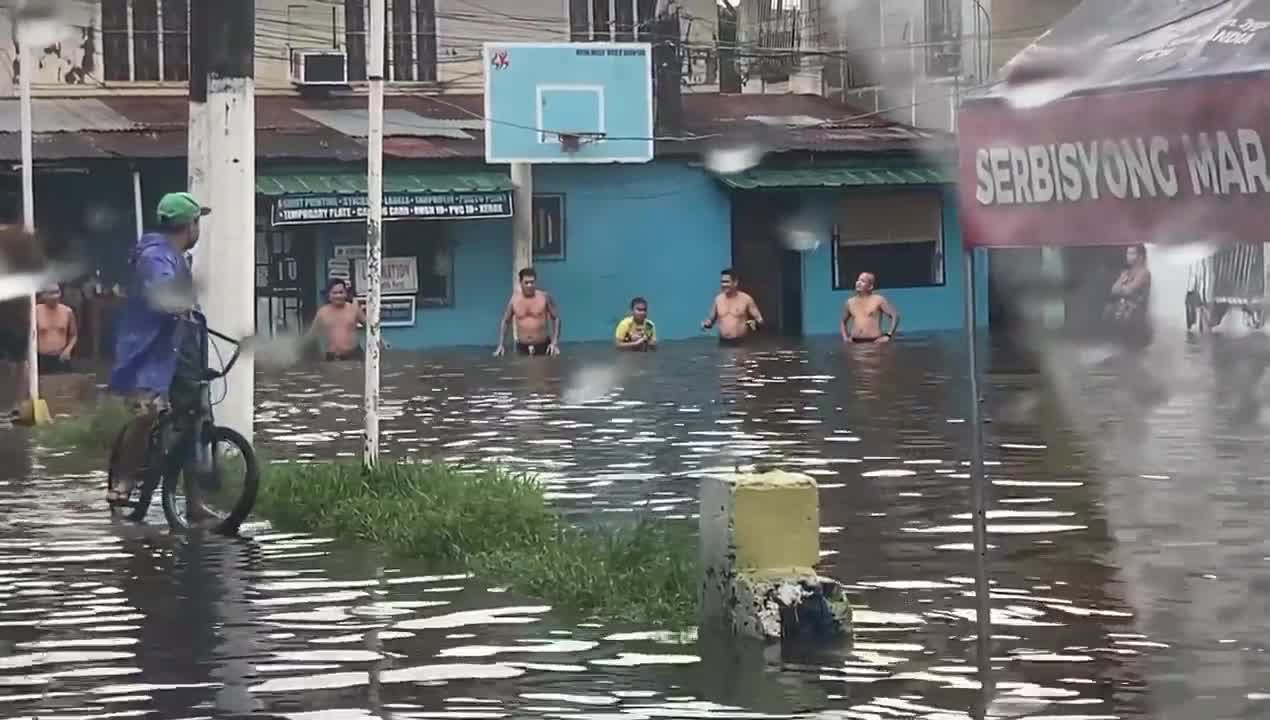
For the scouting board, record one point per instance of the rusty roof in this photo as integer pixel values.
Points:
(292, 128)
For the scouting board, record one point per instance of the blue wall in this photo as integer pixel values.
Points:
(661, 230)
(921, 309)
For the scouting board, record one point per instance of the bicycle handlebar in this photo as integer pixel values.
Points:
(238, 348)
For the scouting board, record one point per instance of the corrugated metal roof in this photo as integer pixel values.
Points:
(760, 179)
(288, 127)
(341, 183)
(56, 115)
(355, 122)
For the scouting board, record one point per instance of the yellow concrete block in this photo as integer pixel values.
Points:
(775, 521)
(33, 413)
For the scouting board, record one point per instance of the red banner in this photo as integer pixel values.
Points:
(1177, 164)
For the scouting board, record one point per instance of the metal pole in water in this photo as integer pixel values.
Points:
(979, 490)
(26, 67)
(374, 226)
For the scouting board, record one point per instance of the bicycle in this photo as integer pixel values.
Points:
(186, 452)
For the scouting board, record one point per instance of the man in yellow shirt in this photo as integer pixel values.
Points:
(636, 332)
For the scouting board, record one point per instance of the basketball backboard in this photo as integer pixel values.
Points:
(568, 102)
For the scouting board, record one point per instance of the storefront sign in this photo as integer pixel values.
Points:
(312, 209)
(1186, 163)
(400, 275)
(394, 311)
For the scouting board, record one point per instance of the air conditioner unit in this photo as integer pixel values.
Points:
(319, 67)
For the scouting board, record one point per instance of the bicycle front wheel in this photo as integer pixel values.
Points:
(217, 494)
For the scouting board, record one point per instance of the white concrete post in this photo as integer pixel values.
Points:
(374, 226)
(197, 139)
(137, 211)
(26, 68)
(229, 296)
(760, 542)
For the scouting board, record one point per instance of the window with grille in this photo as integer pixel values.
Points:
(145, 40)
(898, 235)
(611, 20)
(943, 38)
(410, 40)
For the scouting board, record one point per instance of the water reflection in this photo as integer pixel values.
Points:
(1094, 589)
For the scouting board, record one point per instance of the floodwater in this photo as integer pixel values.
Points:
(1131, 565)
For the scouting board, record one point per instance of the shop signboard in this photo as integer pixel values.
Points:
(346, 208)
(394, 310)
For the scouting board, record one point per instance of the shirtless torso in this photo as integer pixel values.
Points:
(537, 323)
(338, 325)
(862, 319)
(56, 330)
(736, 314)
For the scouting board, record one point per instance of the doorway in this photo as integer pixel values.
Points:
(285, 278)
(770, 272)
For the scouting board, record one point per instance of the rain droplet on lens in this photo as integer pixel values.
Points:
(733, 158)
(1041, 76)
(278, 352)
(590, 384)
(800, 236)
(41, 23)
(173, 297)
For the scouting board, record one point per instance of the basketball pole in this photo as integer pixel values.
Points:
(523, 219)
(374, 226)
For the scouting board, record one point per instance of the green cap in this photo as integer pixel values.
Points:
(180, 209)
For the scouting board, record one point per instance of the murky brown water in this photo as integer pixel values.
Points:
(1131, 566)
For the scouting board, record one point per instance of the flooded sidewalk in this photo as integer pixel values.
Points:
(105, 619)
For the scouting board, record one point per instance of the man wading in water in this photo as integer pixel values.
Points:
(338, 320)
(734, 310)
(530, 308)
(862, 314)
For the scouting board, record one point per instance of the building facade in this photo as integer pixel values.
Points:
(860, 195)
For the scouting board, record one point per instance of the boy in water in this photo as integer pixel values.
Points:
(636, 332)
(339, 320)
(57, 332)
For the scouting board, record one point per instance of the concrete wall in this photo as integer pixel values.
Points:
(73, 63)
(661, 230)
(921, 309)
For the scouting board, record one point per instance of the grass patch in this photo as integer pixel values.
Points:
(498, 525)
(93, 430)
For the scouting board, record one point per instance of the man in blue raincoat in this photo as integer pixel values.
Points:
(152, 327)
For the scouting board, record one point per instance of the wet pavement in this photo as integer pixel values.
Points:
(1130, 564)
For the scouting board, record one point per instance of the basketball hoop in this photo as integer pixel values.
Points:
(571, 143)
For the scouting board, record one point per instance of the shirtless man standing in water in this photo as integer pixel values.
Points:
(338, 320)
(733, 310)
(57, 332)
(530, 308)
(862, 314)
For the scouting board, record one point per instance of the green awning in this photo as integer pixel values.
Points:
(776, 179)
(343, 183)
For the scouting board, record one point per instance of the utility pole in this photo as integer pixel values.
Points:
(229, 296)
(374, 225)
(197, 158)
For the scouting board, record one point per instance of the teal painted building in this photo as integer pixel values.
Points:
(828, 201)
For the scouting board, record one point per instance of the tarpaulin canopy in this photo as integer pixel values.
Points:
(1158, 134)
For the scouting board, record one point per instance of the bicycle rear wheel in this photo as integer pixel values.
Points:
(124, 495)
(218, 496)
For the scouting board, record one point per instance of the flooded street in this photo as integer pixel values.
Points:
(1131, 565)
